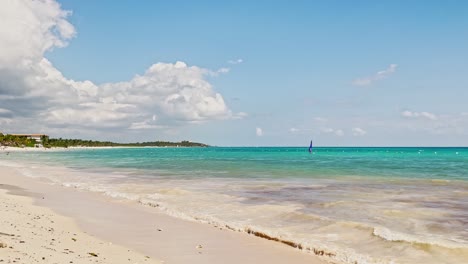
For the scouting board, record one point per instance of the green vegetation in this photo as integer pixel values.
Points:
(23, 141)
(16, 141)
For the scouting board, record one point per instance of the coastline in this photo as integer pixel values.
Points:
(149, 231)
(6, 149)
(40, 149)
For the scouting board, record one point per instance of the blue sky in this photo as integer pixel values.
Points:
(345, 73)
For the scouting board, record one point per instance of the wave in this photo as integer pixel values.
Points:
(326, 252)
(394, 236)
(329, 251)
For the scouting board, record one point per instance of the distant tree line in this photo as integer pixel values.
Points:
(23, 141)
(16, 141)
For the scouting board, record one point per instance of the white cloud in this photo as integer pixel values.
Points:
(29, 28)
(339, 132)
(336, 132)
(293, 130)
(358, 131)
(239, 115)
(4, 111)
(223, 70)
(238, 61)
(428, 115)
(425, 115)
(259, 132)
(320, 119)
(5, 122)
(144, 125)
(300, 130)
(37, 93)
(376, 77)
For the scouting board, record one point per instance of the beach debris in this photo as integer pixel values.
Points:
(199, 246)
(322, 252)
(3, 245)
(159, 229)
(74, 239)
(6, 234)
(93, 254)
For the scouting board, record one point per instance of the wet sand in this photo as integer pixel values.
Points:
(135, 228)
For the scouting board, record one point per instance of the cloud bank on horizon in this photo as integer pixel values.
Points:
(35, 93)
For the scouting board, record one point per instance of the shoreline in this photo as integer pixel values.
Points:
(6, 149)
(342, 219)
(152, 232)
(40, 149)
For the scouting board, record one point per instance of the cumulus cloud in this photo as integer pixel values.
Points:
(358, 131)
(424, 115)
(259, 132)
(238, 61)
(336, 132)
(29, 28)
(33, 91)
(365, 81)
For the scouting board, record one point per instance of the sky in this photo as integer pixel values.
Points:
(244, 73)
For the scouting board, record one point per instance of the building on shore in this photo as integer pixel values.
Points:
(37, 137)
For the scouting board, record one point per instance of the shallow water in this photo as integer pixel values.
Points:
(352, 205)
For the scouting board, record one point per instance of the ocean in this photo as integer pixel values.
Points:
(347, 205)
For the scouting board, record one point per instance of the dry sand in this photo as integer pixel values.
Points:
(34, 234)
(97, 220)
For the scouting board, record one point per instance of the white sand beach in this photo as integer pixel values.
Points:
(43, 223)
(35, 234)
(5, 149)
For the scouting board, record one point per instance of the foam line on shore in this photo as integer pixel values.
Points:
(180, 238)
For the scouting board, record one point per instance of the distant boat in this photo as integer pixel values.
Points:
(310, 147)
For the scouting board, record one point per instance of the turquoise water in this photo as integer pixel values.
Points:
(424, 163)
(359, 205)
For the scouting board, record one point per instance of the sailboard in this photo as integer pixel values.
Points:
(310, 147)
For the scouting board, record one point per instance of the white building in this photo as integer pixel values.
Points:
(37, 137)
